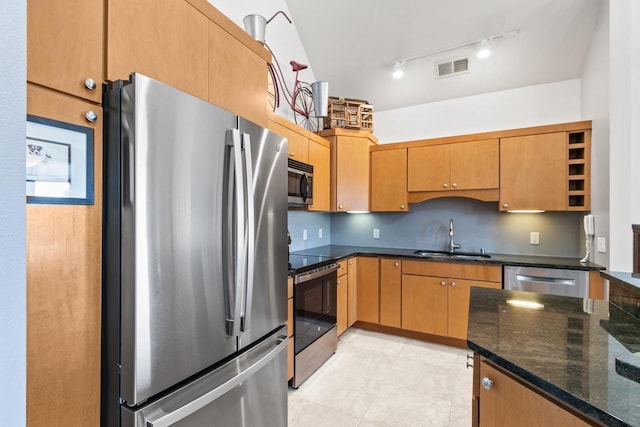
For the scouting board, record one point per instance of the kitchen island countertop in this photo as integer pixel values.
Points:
(566, 348)
(339, 251)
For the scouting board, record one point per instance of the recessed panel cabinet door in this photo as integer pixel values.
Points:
(533, 172)
(65, 41)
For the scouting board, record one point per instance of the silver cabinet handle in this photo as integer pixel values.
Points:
(396, 263)
(401, 206)
(454, 185)
(453, 283)
(505, 205)
(339, 206)
(445, 185)
(89, 83)
(292, 154)
(487, 383)
(443, 283)
(339, 282)
(350, 262)
(91, 116)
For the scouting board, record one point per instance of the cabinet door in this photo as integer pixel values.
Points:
(458, 313)
(163, 39)
(533, 172)
(320, 158)
(290, 358)
(351, 180)
(424, 304)
(390, 292)
(368, 290)
(389, 180)
(510, 403)
(343, 297)
(428, 168)
(298, 147)
(352, 291)
(237, 76)
(475, 165)
(64, 279)
(65, 41)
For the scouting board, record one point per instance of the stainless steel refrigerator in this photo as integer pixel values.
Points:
(195, 263)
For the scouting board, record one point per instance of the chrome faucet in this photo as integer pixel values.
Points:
(452, 245)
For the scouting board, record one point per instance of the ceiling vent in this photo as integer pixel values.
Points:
(452, 67)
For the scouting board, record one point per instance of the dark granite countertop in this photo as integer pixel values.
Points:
(567, 348)
(338, 252)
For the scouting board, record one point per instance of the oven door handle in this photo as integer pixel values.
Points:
(301, 278)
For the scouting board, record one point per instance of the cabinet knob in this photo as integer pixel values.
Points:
(443, 283)
(453, 283)
(445, 185)
(401, 206)
(91, 116)
(487, 383)
(89, 83)
(396, 263)
(505, 205)
(292, 154)
(338, 282)
(454, 185)
(339, 206)
(350, 262)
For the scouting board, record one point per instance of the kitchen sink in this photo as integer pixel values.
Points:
(429, 253)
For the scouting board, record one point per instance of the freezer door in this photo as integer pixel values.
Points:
(265, 301)
(250, 390)
(174, 281)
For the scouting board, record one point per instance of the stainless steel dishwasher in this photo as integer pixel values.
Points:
(554, 281)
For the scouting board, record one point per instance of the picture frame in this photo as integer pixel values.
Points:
(59, 162)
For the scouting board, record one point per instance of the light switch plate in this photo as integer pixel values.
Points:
(304, 234)
(320, 233)
(602, 244)
(534, 238)
(376, 233)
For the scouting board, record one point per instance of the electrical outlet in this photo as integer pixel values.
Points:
(602, 245)
(304, 234)
(534, 238)
(320, 233)
(376, 233)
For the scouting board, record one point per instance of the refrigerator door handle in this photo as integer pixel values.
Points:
(234, 140)
(246, 319)
(181, 413)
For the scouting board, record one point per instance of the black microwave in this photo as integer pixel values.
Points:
(300, 183)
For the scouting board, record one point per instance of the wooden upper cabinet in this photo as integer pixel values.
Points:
(429, 168)
(533, 172)
(237, 76)
(65, 42)
(349, 173)
(389, 180)
(298, 147)
(472, 165)
(320, 159)
(163, 39)
(475, 165)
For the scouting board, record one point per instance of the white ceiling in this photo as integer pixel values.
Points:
(353, 43)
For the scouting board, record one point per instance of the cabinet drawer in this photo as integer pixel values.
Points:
(459, 270)
(342, 267)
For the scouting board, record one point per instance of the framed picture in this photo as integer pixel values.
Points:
(59, 161)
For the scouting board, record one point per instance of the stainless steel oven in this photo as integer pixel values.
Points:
(299, 183)
(314, 300)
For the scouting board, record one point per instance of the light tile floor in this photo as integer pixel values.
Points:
(379, 380)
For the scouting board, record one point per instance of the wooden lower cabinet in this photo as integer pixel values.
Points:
(368, 290)
(290, 359)
(390, 292)
(509, 402)
(352, 291)
(343, 298)
(436, 304)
